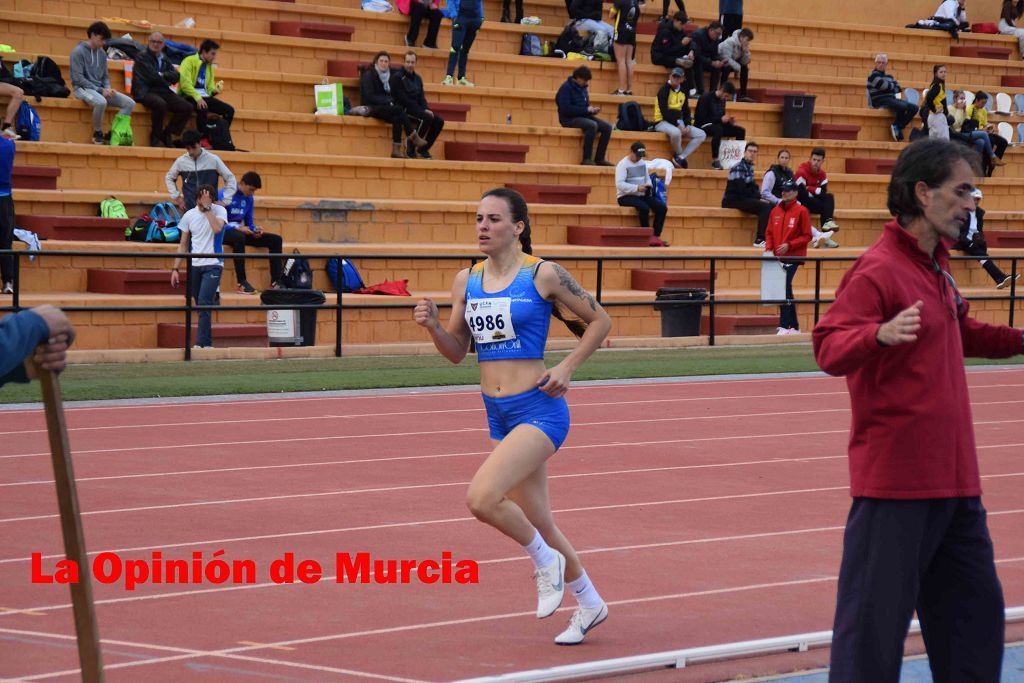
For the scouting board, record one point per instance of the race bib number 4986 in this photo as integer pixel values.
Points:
(490, 320)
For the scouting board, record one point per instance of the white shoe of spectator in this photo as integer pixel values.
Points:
(781, 331)
(8, 288)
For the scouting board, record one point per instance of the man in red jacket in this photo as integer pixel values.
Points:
(813, 182)
(916, 535)
(787, 236)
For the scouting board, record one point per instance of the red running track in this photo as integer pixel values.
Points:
(706, 512)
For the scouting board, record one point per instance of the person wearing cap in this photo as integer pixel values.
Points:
(633, 188)
(972, 242)
(672, 117)
(787, 237)
(671, 47)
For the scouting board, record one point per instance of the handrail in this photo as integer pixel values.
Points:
(714, 298)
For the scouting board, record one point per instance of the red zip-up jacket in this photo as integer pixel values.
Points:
(912, 435)
(811, 179)
(788, 225)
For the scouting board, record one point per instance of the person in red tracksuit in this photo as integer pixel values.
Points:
(916, 536)
(787, 236)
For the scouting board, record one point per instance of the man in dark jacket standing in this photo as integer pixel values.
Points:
(575, 111)
(409, 93)
(151, 86)
(705, 55)
(916, 536)
(742, 192)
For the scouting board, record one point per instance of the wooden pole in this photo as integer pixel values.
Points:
(71, 527)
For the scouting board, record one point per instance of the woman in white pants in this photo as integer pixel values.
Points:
(935, 104)
(1012, 11)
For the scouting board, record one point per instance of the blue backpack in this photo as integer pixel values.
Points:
(350, 278)
(27, 124)
(163, 226)
(658, 186)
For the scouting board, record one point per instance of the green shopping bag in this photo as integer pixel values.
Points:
(121, 131)
(329, 98)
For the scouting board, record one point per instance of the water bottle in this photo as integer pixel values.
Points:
(508, 119)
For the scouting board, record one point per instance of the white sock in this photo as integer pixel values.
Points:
(540, 552)
(584, 592)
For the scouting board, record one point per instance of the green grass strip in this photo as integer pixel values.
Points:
(204, 378)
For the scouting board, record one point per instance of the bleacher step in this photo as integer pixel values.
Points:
(551, 194)
(172, 335)
(870, 166)
(980, 51)
(834, 131)
(312, 29)
(128, 281)
(497, 152)
(740, 324)
(1005, 239)
(651, 280)
(35, 177)
(604, 236)
(91, 228)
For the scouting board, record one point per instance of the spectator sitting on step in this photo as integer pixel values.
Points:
(90, 80)
(965, 129)
(705, 56)
(575, 111)
(1009, 15)
(410, 94)
(712, 119)
(813, 183)
(672, 117)
(741, 192)
(17, 96)
(735, 52)
(587, 15)
(672, 48)
(935, 106)
(242, 231)
(633, 188)
(976, 111)
(952, 16)
(378, 93)
(771, 191)
(196, 167)
(882, 91)
(197, 84)
(153, 76)
(417, 10)
(972, 242)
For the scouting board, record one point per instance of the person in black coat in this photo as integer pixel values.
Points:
(705, 55)
(377, 91)
(672, 48)
(972, 242)
(152, 78)
(409, 93)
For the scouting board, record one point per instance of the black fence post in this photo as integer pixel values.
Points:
(337, 314)
(817, 290)
(711, 305)
(600, 278)
(188, 307)
(1013, 290)
(16, 297)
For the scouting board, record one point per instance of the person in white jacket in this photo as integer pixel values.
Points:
(735, 52)
(633, 188)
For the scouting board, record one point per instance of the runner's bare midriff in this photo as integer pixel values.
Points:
(510, 377)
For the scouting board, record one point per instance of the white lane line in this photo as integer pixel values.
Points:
(449, 520)
(197, 653)
(412, 487)
(474, 429)
(433, 412)
(491, 617)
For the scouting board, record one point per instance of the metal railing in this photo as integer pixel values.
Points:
(188, 308)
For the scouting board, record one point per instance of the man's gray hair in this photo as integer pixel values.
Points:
(881, 55)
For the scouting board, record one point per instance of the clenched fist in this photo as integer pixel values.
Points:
(425, 314)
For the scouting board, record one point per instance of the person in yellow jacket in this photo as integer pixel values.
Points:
(198, 84)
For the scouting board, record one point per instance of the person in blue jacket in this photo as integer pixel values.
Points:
(33, 339)
(467, 17)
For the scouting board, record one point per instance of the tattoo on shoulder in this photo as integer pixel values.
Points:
(569, 283)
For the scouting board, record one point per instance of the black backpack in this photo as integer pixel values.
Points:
(219, 135)
(631, 117)
(297, 273)
(570, 40)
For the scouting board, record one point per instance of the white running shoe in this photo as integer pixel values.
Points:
(780, 331)
(830, 226)
(582, 621)
(9, 287)
(550, 586)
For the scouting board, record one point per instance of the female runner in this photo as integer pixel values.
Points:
(505, 304)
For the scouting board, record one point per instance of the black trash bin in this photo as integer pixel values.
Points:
(291, 327)
(681, 309)
(797, 116)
